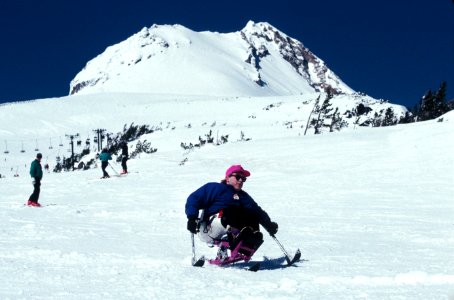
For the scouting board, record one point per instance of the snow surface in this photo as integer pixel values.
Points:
(370, 208)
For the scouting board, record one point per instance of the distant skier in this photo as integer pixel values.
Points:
(227, 210)
(124, 157)
(105, 157)
(36, 172)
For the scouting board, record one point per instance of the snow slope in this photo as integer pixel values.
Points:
(46, 123)
(370, 208)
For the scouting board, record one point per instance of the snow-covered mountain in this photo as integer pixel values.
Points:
(259, 60)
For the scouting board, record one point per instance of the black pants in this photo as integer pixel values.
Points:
(36, 189)
(103, 167)
(239, 217)
(123, 163)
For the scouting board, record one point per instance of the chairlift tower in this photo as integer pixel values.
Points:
(72, 137)
(99, 137)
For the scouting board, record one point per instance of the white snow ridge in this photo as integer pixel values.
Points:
(370, 208)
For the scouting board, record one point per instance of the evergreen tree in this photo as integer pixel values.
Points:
(426, 106)
(337, 122)
(408, 118)
(389, 119)
(433, 105)
(323, 112)
(314, 109)
(440, 101)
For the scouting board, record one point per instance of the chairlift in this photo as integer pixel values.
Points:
(22, 151)
(79, 141)
(6, 148)
(50, 144)
(61, 143)
(87, 142)
(58, 158)
(36, 149)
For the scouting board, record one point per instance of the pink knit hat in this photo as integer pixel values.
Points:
(237, 169)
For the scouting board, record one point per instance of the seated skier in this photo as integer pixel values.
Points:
(229, 213)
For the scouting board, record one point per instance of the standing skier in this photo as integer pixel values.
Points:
(227, 209)
(105, 157)
(36, 172)
(124, 157)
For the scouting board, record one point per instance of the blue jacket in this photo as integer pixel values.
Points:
(105, 156)
(214, 196)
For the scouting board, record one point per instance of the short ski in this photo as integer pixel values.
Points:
(198, 263)
(103, 178)
(296, 258)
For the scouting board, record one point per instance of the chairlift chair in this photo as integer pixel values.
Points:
(6, 148)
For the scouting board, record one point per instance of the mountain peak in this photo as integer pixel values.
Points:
(259, 60)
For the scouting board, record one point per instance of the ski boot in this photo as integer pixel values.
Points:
(246, 243)
(241, 246)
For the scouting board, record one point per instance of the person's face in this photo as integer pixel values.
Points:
(236, 180)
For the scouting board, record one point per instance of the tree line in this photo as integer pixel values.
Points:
(324, 117)
(432, 105)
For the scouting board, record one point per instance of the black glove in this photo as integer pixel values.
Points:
(271, 227)
(192, 225)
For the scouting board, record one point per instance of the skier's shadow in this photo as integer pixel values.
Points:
(275, 263)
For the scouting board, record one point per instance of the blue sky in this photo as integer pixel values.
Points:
(394, 50)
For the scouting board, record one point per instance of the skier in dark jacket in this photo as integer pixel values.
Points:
(226, 208)
(124, 157)
(105, 157)
(36, 172)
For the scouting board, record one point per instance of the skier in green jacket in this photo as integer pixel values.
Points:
(36, 172)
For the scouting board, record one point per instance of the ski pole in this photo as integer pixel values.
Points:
(287, 257)
(113, 169)
(193, 249)
(196, 262)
